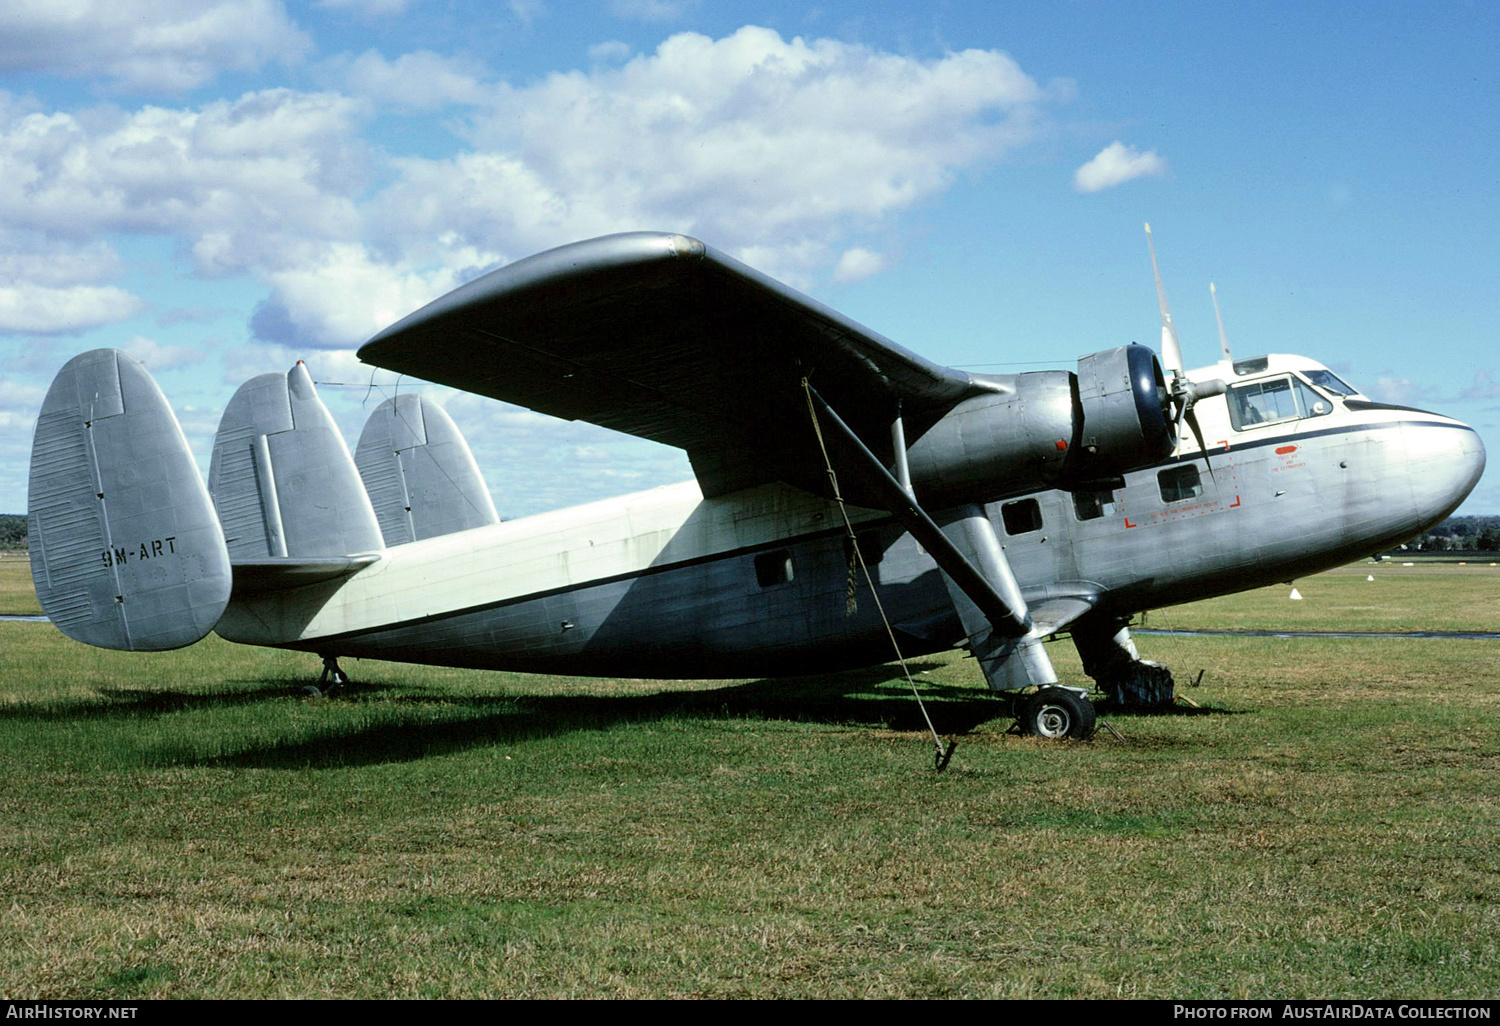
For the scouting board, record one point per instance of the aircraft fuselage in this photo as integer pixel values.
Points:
(668, 584)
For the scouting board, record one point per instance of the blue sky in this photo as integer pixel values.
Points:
(222, 187)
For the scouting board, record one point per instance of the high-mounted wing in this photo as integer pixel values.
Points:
(663, 337)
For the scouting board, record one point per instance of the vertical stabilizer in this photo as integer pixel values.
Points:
(419, 472)
(282, 479)
(125, 550)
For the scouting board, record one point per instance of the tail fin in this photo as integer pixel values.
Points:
(419, 472)
(282, 479)
(126, 551)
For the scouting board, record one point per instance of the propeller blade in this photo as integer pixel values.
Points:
(1223, 338)
(1192, 420)
(1171, 349)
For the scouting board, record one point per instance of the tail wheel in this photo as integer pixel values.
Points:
(1057, 712)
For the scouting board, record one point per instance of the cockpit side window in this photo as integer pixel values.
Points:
(1258, 403)
(1331, 382)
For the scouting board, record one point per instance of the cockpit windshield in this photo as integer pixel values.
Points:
(1330, 381)
(1272, 400)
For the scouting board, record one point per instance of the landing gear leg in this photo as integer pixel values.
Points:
(330, 680)
(1110, 657)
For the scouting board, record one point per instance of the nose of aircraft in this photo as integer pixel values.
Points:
(1447, 459)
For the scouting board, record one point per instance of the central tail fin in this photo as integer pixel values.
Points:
(282, 479)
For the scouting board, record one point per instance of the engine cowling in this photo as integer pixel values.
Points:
(1047, 429)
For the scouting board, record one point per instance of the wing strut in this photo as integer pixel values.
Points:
(978, 576)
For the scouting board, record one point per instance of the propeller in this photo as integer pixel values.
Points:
(1223, 338)
(1183, 392)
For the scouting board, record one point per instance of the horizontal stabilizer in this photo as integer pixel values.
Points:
(419, 472)
(257, 576)
(125, 550)
(282, 479)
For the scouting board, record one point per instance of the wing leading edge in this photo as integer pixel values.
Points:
(663, 337)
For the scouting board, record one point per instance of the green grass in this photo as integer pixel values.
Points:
(1421, 597)
(17, 596)
(185, 825)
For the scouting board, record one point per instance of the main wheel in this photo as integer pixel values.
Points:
(1057, 712)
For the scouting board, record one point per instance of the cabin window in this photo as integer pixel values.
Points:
(772, 568)
(1180, 483)
(1021, 517)
(1270, 402)
(1093, 503)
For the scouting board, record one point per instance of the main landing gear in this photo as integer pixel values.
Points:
(330, 681)
(1055, 711)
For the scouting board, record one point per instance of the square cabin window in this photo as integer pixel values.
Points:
(1093, 503)
(1180, 483)
(773, 568)
(1021, 517)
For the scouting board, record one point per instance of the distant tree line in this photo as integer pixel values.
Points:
(12, 532)
(1459, 534)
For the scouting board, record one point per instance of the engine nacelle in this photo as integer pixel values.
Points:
(1047, 429)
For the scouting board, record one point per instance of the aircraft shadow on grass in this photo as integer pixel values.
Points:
(874, 696)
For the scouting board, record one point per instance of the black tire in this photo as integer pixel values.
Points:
(1056, 713)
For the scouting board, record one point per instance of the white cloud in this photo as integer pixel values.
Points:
(367, 8)
(421, 80)
(746, 141)
(38, 309)
(527, 11)
(1484, 387)
(1391, 389)
(145, 45)
(651, 10)
(156, 357)
(240, 181)
(1116, 164)
(769, 148)
(612, 50)
(858, 262)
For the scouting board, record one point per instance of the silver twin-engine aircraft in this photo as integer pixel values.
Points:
(992, 511)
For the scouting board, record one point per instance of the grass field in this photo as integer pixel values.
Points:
(182, 825)
(17, 596)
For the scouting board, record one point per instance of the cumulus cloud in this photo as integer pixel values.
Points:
(344, 295)
(651, 10)
(1484, 387)
(773, 149)
(1391, 389)
(421, 80)
(38, 309)
(748, 141)
(367, 8)
(857, 263)
(147, 45)
(1116, 164)
(611, 50)
(238, 180)
(157, 357)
